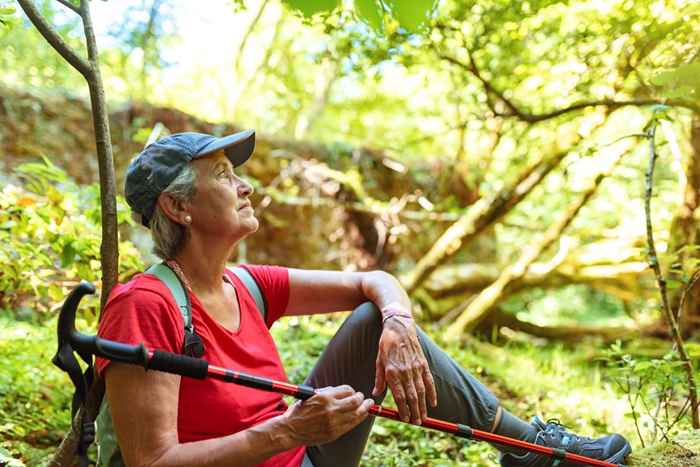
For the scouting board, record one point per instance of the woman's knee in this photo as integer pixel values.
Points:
(366, 315)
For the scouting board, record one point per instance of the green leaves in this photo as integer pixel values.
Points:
(50, 236)
(311, 7)
(411, 14)
(5, 13)
(682, 82)
(371, 12)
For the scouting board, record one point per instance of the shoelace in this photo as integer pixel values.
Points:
(554, 425)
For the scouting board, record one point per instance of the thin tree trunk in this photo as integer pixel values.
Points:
(323, 94)
(109, 249)
(654, 263)
(259, 69)
(479, 308)
(246, 36)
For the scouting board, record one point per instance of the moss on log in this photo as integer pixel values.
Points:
(682, 451)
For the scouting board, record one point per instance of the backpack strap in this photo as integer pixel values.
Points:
(254, 288)
(193, 345)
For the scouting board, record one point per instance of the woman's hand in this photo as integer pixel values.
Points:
(324, 417)
(402, 365)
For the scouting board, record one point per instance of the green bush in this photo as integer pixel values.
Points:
(50, 235)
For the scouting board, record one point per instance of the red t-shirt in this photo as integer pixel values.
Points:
(143, 310)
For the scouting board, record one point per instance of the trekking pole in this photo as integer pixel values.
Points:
(183, 365)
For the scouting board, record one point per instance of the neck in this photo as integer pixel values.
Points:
(203, 263)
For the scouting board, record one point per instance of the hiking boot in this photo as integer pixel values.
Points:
(612, 448)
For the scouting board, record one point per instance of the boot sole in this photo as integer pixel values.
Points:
(620, 456)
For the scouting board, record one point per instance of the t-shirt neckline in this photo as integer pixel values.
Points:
(238, 302)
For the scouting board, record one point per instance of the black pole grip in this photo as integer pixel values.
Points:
(178, 364)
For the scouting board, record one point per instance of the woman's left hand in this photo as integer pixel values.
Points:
(402, 366)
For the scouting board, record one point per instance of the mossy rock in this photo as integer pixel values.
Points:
(682, 451)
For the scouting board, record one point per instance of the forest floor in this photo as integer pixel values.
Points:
(530, 377)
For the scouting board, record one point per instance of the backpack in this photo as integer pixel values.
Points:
(108, 453)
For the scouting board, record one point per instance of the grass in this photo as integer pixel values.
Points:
(548, 380)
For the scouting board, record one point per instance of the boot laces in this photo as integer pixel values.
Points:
(555, 430)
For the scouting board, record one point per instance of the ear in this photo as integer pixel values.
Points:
(175, 210)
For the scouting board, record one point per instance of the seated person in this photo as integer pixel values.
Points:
(185, 190)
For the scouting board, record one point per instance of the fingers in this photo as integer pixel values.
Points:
(337, 392)
(379, 379)
(420, 394)
(429, 383)
(411, 395)
(363, 410)
(350, 403)
(394, 382)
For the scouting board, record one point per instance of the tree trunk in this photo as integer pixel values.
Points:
(479, 308)
(109, 249)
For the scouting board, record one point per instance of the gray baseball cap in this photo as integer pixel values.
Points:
(154, 168)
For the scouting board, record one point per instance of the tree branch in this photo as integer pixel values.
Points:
(54, 39)
(516, 111)
(70, 6)
(654, 264)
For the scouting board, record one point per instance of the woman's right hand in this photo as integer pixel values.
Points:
(327, 415)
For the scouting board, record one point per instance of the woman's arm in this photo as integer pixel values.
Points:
(400, 363)
(144, 410)
(312, 292)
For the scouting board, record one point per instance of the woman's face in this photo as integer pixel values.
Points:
(220, 206)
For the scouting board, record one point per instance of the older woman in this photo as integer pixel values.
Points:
(185, 189)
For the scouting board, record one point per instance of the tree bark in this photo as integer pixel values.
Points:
(109, 249)
(479, 308)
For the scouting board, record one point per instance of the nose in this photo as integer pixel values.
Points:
(245, 189)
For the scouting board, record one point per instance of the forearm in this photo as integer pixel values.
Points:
(385, 291)
(245, 448)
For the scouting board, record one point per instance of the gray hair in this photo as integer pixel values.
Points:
(168, 236)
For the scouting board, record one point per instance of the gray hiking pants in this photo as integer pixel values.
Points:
(350, 359)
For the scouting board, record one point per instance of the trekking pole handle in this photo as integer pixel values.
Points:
(116, 351)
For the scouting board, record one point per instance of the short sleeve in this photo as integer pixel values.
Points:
(274, 283)
(141, 315)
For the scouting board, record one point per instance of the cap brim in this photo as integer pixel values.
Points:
(238, 147)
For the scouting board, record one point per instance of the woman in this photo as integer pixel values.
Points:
(185, 190)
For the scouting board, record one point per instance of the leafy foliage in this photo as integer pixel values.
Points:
(655, 389)
(50, 239)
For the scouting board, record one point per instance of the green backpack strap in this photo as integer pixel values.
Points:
(170, 279)
(252, 285)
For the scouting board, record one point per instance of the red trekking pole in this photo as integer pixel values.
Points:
(71, 340)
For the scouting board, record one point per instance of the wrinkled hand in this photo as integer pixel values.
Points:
(402, 366)
(324, 417)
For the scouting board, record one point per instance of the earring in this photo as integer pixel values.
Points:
(188, 219)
